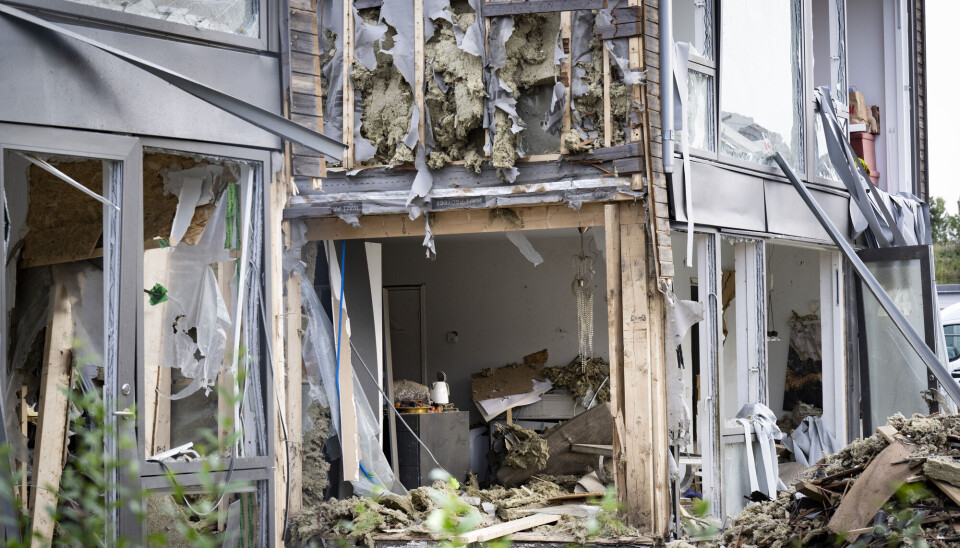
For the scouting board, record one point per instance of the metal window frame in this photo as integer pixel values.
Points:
(709, 275)
(129, 153)
(838, 48)
(265, 160)
(268, 39)
(923, 254)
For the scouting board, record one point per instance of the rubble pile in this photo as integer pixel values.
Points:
(900, 486)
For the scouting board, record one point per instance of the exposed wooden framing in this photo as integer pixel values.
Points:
(607, 112)
(566, 24)
(348, 38)
(504, 529)
(420, 68)
(388, 352)
(615, 336)
(305, 104)
(609, 32)
(52, 423)
(455, 222)
(610, 153)
(496, 9)
(225, 389)
(833, 335)
(636, 93)
(294, 382)
(277, 363)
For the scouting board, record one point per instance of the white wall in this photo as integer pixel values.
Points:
(793, 283)
(502, 307)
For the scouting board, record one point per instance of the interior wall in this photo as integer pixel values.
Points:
(865, 64)
(793, 284)
(500, 305)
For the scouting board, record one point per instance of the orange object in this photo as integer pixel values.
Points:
(863, 143)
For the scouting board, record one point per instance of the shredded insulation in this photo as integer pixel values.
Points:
(315, 465)
(387, 101)
(530, 63)
(454, 97)
(527, 449)
(572, 378)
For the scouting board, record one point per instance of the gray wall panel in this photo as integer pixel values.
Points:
(788, 215)
(721, 198)
(50, 80)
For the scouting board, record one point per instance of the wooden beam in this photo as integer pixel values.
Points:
(503, 529)
(610, 153)
(607, 109)
(277, 364)
(294, 382)
(615, 337)
(52, 423)
(456, 222)
(496, 9)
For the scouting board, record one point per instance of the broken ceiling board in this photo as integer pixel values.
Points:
(872, 490)
(455, 222)
(496, 9)
(590, 427)
(505, 381)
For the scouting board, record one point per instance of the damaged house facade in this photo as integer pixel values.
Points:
(547, 246)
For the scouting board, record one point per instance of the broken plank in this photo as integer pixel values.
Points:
(503, 529)
(872, 490)
(305, 166)
(608, 153)
(609, 32)
(631, 14)
(52, 421)
(496, 9)
(951, 491)
(629, 165)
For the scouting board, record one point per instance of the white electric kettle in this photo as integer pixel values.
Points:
(440, 393)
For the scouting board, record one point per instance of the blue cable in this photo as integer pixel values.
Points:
(343, 268)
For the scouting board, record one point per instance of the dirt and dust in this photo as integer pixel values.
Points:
(387, 101)
(456, 114)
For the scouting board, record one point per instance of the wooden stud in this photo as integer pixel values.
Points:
(615, 336)
(607, 111)
(52, 423)
(156, 269)
(455, 222)
(420, 68)
(348, 37)
(636, 92)
(225, 387)
(278, 199)
(504, 529)
(566, 24)
(294, 387)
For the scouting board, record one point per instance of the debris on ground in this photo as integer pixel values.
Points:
(315, 464)
(897, 487)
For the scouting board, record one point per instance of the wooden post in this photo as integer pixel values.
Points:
(52, 421)
(225, 387)
(294, 382)
(278, 199)
(643, 438)
(615, 335)
(349, 441)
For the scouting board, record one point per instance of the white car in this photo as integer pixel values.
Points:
(950, 317)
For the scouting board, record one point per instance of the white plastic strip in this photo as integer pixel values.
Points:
(681, 61)
(39, 162)
(246, 182)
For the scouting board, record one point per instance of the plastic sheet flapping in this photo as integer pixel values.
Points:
(331, 18)
(320, 361)
(681, 316)
(762, 420)
(526, 248)
(582, 23)
(620, 51)
(196, 317)
(811, 441)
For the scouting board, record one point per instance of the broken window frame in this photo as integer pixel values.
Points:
(126, 154)
(260, 462)
(838, 84)
(268, 38)
(708, 67)
(922, 255)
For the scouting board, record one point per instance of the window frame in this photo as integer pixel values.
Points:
(268, 39)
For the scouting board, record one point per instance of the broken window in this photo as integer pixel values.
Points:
(693, 23)
(761, 111)
(701, 111)
(202, 370)
(239, 17)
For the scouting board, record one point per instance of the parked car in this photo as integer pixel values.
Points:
(950, 317)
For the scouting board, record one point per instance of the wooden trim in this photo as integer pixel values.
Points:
(456, 222)
(607, 109)
(293, 383)
(277, 363)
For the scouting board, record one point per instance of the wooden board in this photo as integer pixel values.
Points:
(505, 381)
(455, 222)
(496, 9)
(872, 490)
(592, 449)
(52, 421)
(156, 265)
(591, 427)
(504, 529)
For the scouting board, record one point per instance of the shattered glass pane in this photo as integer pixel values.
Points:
(239, 17)
(701, 111)
(761, 111)
(898, 376)
(825, 167)
(239, 520)
(840, 67)
(693, 23)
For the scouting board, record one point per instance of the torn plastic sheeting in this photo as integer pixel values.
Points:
(423, 182)
(193, 187)
(681, 54)
(681, 316)
(471, 40)
(518, 239)
(428, 241)
(619, 49)
(433, 10)
(366, 36)
(811, 441)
